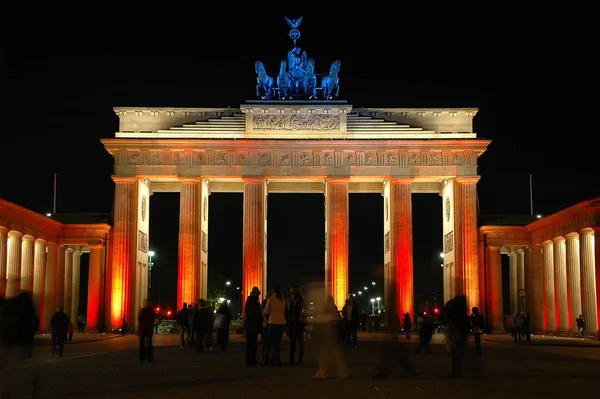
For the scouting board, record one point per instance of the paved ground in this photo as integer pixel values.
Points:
(97, 366)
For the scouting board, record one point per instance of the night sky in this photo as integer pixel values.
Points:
(62, 76)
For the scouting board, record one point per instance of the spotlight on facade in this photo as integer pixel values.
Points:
(442, 255)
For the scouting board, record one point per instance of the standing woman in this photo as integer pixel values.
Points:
(276, 308)
(296, 326)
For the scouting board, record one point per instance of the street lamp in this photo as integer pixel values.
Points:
(228, 283)
(372, 305)
(378, 308)
(150, 255)
(442, 255)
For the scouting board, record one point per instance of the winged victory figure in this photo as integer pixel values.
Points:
(293, 23)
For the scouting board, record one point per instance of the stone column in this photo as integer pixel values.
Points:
(60, 279)
(94, 283)
(483, 292)
(189, 241)
(573, 281)
(560, 285)
(520, 274)
(3, 256)
(76, 276)
(254, 236)
(512, 273)
(68, 298)
(548, 278)
(39, 273)
(535, 290)
(401, 247)
(527, 277)
(597, 265)
(49, 285)
(494, 280)
(589, 283)
(13, 262)
(465, 222)
(27, 254)
(124, 251)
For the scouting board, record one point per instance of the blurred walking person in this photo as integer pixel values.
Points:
(328, 331)
(59, 323)
(252, 320)
(145, 331)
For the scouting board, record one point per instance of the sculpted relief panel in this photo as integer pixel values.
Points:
(296, 122)
(293, 157)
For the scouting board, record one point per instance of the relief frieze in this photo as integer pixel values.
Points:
(349, 158)
(434, 158)
(370, 158)
(457, 158)
(285, 158)
(221, 158)
(177, 158)
(156, 158)
(242, 158)
(328, 158)
(391, 158)
(413, 158)
(134, 158)
(200, 158)
(296, 122)
(305, 158)
(264, 158)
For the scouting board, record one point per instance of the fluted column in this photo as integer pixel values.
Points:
(124, 250)
(13, 268)
(49, 285)
(548, 278)
(27, 255)
(520, 271)
(494, 273)
(39, 273)
(573, 281)
(512, 275)
(401, 247)
(3, 256)
(94, 284)
(68, 298)
(535, 289)
(597, 265)
(189, 241)
(589, 283)
(526, 285)
(60, 279)
(465, 222)
(254, 236)
(75, 285)
(560, 285)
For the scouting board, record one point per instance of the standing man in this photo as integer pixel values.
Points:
(58, 325)
(350, 315)
(477, 326)
(145, 330)
(183, 320)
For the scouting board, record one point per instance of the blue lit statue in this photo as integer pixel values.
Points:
(330, 85)
(310, 80)
(264, 82)
(283, 82)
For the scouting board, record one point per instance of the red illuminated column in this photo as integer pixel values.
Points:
(189, 242)
(59, 298)
(94, 285)
(68, 302)
(597, 267)
(49, 286)
(483, 294)
(512, 276)
(401, 246)
(124, 249)
(520, 269)
(560, 285)
(254, 237)
(13, 268)
(573, 280)
(548, 274)
(535, 289)
(494, 281)
(27, 253)
(465, 223)
(3, 253)
(39, 272)
(75, 285)
(589, 281)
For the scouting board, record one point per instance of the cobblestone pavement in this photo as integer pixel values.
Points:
(109, 368)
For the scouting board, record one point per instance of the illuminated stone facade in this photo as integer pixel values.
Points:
(554, 270)
(41, 255)
(322, 147)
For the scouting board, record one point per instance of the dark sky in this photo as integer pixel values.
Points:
(62, 74)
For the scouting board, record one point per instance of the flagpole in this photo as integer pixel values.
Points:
(54, 207)
(530, 195)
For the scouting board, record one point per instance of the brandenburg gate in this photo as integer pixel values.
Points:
(278, 146)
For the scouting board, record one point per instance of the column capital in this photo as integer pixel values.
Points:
(401, 180)
(69, 250)
(547, 243)
(255, 180)
(40, 241)
(571, 236)
(494, 247)
(337, 180)
(469, 179)
(77, 252)
(519, 251)
(52, 245)
(3, 229)
(15, 234)
(189, 179)
(587, 231)
(123, 179)
(95, 246)
(558, 240)
(28, 238)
